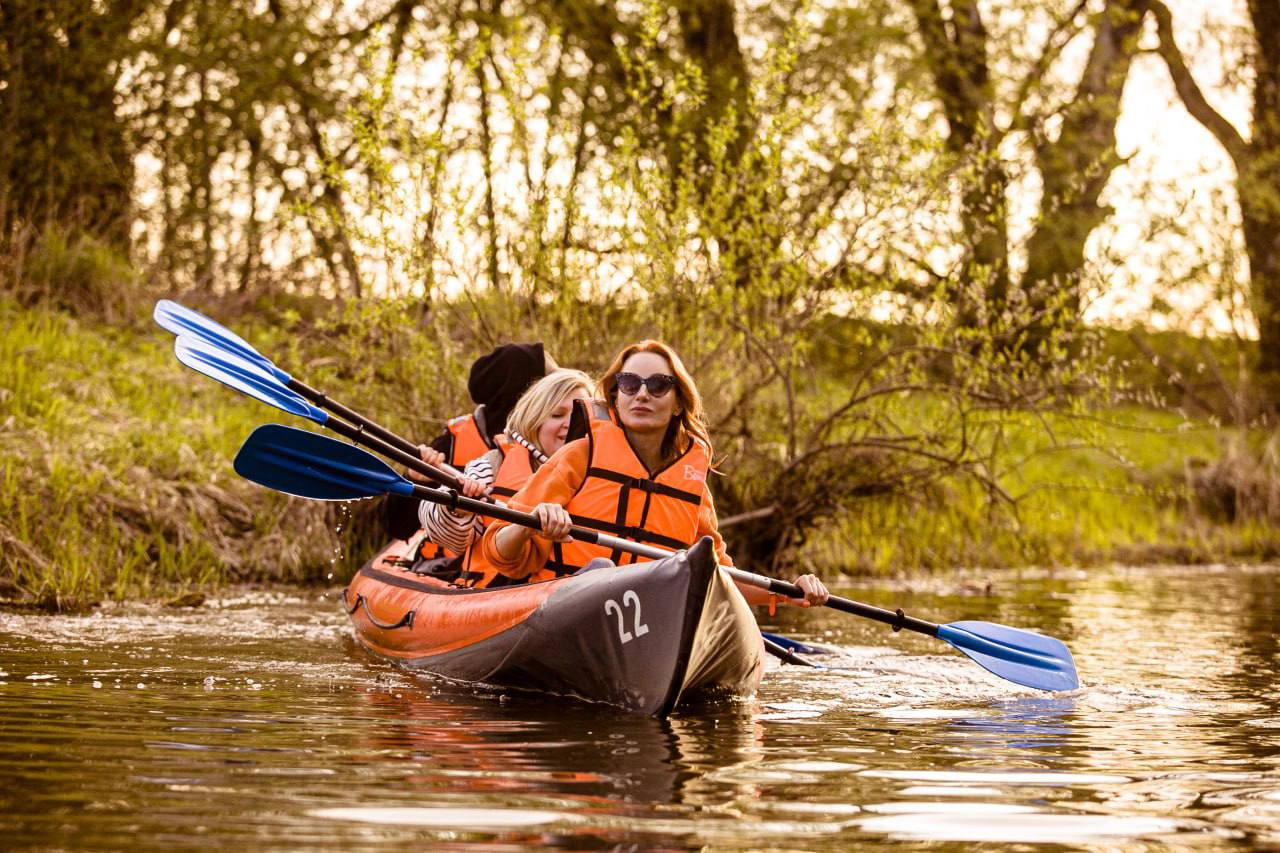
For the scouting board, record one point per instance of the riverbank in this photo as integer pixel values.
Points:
(117, 479)
(117, 473)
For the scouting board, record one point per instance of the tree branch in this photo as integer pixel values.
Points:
(1189, 91)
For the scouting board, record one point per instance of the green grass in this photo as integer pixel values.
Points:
(117, 475)
(1111, 488)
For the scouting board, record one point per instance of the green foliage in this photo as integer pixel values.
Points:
(712, 251)
(1140, 486)
(65, 160)
(831, 259)
(115, 477)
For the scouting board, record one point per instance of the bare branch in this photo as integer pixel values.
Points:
(1189, 91)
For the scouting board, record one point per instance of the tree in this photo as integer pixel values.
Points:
(1073, 163)
(64, 152)
(1257, 165)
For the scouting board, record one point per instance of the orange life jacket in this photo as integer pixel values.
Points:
(515, 469)
(469, 442)
(618, 496)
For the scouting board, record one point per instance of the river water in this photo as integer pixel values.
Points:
(255, 720)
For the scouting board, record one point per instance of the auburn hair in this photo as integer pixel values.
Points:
(689, 425)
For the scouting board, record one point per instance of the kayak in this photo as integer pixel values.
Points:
(645, 638)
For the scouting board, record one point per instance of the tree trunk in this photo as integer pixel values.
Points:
(956, 55)
(1259, 190)
(710, 37)
(1257, 164)
(1075, 168)
(64, 156)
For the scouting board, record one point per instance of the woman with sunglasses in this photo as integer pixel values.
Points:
(641, 475)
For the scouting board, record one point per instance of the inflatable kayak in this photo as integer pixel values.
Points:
(644, 638)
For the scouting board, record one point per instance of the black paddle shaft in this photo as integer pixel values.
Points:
(359, 436)
(895, 619)
(346, 414)
(454, 500)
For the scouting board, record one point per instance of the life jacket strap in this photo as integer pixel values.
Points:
(653, 487)
(625, 531)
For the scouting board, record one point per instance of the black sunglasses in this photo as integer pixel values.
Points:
(658, 384)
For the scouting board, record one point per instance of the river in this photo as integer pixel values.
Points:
(255, 720)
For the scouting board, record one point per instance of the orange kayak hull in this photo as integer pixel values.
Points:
(646, 638)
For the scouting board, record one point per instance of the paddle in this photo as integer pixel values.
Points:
(250, 378)
(310, 465)
(786, 655)
(794, 645)
(186, 323)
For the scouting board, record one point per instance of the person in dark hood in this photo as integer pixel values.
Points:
(498, 379)
(496, 382)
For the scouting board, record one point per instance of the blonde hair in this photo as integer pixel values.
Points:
(535, 404)
(687, 426)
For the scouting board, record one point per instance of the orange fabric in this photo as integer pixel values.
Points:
(468, 441)
(558, 481)
(514, 471)
(436, 629)
(619, 497)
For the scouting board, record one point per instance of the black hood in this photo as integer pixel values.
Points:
(499, 378)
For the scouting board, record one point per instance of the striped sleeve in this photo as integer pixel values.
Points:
(455, 531)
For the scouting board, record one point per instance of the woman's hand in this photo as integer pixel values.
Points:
(555, 522)
(473, 488)
(815, 592)
(431, 457)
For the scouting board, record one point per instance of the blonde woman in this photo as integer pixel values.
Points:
(641, 475)
(536, 428)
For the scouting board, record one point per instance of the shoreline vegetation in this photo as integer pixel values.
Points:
(880, 239)
(117, 480)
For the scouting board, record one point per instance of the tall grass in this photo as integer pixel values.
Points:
(116, 472)
(1131, 485)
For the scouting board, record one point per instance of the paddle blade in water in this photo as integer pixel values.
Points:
(1032, 660)
(792, 645)
(308, 465)
(247, 377)
(181, 320)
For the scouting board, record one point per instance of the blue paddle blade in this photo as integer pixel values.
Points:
(181, 320)
(247, 377)
(1023, 657)
(309, 465)
(794, 645)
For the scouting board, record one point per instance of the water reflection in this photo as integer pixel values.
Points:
(514, 745)
(257, 722)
